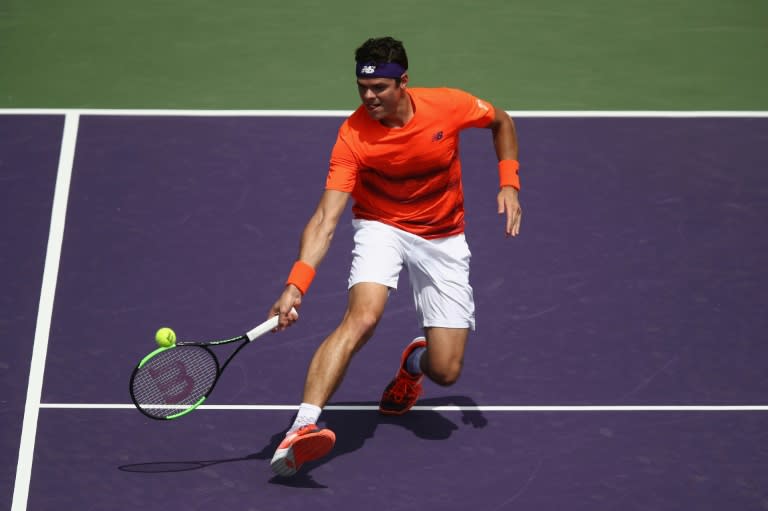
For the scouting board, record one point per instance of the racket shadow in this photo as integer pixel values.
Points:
(301, 480)
(159, 467)
(354, 428)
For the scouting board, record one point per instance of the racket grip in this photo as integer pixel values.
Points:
(267, 326)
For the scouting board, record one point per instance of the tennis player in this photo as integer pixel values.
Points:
(397, 156)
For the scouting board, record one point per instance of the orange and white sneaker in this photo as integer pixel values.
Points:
(306, 444)
(403, 392)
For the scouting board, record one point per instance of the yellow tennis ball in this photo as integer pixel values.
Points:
(165, 337)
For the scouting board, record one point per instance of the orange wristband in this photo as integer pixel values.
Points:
(508, 174)
(301, 276)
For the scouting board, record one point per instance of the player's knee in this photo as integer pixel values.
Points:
(365, 322)
(360, 327)
(445, 375)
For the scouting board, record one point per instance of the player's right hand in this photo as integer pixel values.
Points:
(290, 298)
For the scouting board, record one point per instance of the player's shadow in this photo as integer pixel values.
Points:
(354, 427)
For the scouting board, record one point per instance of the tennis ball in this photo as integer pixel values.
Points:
(165, 337)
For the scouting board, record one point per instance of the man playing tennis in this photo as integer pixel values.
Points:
(397, 156)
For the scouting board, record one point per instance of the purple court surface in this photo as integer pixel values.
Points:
(639, 280)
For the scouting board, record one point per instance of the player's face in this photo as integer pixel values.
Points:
(381, 96)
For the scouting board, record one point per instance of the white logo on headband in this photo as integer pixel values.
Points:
(368, 70)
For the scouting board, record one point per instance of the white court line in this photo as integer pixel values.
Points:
(448, 408)
(345, 113)
(44, 313)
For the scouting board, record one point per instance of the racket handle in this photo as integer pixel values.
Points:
(267, 326)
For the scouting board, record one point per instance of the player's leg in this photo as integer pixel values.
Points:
(330, 362)
(305, 441)
(439, 356)
(376, 264)
(443, 358)
(439, 272)
(375, 269)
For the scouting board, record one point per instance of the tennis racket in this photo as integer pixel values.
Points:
(171, 382)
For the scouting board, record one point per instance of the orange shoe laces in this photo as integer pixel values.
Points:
(402, 389)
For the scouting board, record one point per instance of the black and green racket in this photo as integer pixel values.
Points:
(175, 380)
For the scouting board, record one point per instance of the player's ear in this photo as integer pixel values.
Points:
(404, 80)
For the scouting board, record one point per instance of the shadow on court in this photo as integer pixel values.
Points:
(352, 429)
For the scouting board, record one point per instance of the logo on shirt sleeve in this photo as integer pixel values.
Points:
(482, 105)
(437, 136)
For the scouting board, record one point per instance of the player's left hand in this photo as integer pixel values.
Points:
(509, 203)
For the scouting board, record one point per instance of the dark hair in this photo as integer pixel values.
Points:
(382, 49)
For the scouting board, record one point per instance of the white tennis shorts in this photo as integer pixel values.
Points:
(438, 271)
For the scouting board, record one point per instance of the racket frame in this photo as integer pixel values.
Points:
(246, 339)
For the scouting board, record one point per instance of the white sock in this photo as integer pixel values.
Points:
(308, 414)
(413, 362)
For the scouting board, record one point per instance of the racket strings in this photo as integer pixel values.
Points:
(174, 380)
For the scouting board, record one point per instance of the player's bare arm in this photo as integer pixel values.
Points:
(315, 242)
(505, 143)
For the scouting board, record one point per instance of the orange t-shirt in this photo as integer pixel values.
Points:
(409, 177)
